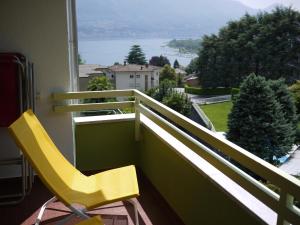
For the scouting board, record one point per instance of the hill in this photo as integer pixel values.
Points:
(100, 19)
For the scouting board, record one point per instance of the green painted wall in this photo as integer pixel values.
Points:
(192, 196)
(105, 145)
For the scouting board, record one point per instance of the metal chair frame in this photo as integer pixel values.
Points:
(79, 212)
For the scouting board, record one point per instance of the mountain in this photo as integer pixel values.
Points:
(99, 19)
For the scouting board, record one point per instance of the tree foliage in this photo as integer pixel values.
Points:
(80, 60)
(193, 66)
(136, 56)
(295, 89)
(165, 87)
(165, 93)
(286, 101)
(179, 102)
(159, 61)
(167, 72)
(268, 44)
(99, 83)
(259, 121)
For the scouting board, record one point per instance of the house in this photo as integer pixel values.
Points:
(182, 180)
(191, 80)
(87, 72)
(129, 76)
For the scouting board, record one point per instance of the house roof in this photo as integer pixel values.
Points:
(85, 70)
(133, 68)
(189, 76)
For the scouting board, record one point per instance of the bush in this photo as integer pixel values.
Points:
(164, 88)
(207, 91)
(165, 94)
(99, 83)
(179, 102)
(167, 73)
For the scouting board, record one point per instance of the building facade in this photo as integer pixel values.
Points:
(132, 76)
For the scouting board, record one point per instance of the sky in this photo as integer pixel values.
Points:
(261, 4)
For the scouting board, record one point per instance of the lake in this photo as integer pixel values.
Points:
(107, 52)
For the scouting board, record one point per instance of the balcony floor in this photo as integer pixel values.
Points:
(151, 206)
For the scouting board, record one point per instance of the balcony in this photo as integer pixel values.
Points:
(185, 173)
(193, 179)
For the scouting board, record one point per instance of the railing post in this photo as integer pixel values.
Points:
(137, 119)
(285, 201)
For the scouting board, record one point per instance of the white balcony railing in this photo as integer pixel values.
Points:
(282, 203)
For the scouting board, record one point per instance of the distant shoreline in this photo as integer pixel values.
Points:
(109, 51)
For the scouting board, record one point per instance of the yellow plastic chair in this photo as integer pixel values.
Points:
(64, 180)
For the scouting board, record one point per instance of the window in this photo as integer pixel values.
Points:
(131, 76)
(137, 76)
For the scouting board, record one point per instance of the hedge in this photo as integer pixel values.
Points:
(208, 91)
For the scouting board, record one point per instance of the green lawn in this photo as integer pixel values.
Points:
(218, 113)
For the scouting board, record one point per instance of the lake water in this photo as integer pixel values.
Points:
(107, 52)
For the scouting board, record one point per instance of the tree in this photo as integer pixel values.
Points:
(165, 87)
(165, 93)
(167, 72)
(80, 60)
(286, 101)
(176, 64)
(257, 122)
(99, 83)
(179, 102)
(295, 89)
(159, 61)
(267, 44)
(192, 67)
(136, 56)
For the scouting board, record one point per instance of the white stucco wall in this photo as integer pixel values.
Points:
(38, 29)
(123, 80)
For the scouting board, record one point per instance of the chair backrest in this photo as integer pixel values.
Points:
(52, 167)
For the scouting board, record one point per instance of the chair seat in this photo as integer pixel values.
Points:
(110, 186)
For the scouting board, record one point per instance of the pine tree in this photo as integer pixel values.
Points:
(136, 56)
(257, 122)
(176, 64)
(287, 104)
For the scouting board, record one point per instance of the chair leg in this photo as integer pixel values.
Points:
(136, 213)
(79, 212)
(40, 215)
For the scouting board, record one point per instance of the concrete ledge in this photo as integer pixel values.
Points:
(238, 194)
(225, 184)
(103, 119)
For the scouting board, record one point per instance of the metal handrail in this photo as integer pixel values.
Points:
(289, 186)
